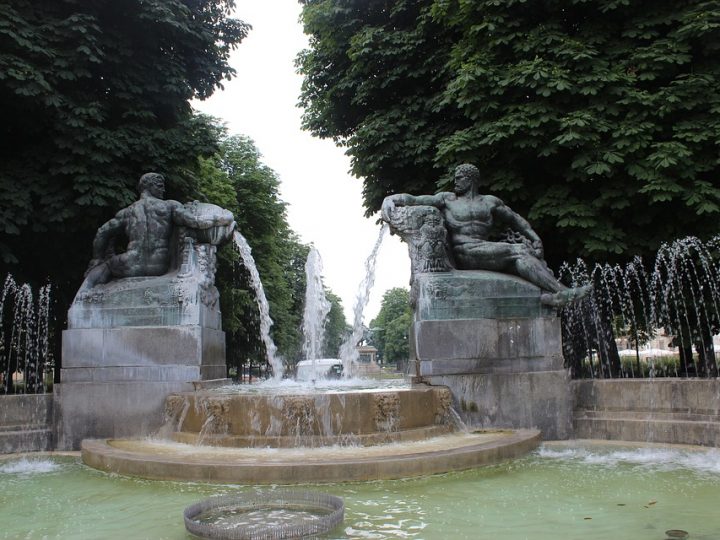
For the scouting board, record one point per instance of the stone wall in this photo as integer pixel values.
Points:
(26, 423)
(675, 411)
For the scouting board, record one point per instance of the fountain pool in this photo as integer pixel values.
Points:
(563, 490)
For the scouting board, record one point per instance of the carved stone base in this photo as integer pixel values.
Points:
(488, 338)
(130, 342)
(167, 300)
(114, 380)
(542, 400)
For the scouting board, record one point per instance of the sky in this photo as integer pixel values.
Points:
(324, 200)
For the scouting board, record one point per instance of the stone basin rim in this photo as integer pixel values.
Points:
(100, 454)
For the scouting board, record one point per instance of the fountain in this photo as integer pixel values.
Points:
(677, 295)
(316, 309)
(348, 350)
(275, 434)
(26, 366)
(146, 321)
(563, 490)
(24, 351)
(264, 308)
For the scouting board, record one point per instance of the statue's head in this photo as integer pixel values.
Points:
(154, 183)
(466, 177)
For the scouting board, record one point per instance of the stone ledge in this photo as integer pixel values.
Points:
(110, 409)
(538, 400)
(648, 430)
(138, 458)
(26, 440)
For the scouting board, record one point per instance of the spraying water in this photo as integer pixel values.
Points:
(245, 252)
(348, 350)
(316, 309)
(678, 293)
(24, 350)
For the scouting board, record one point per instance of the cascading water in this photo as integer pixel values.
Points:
(348, 350)
(316, 309)
(245, 252)
(26, 350)
(679, 294)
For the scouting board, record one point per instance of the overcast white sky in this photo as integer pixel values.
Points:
(325, 202)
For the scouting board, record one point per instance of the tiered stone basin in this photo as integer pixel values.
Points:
(284, 438)
(293, 418)
(161, 460)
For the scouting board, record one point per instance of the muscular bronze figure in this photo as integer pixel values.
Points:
(148, 226)
(471, 218)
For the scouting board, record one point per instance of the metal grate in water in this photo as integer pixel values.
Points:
(265, 516)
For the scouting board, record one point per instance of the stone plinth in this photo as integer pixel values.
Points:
(488, 338)
(129, 344)
(662, 410)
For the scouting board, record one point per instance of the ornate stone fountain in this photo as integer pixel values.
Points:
(222, 434)
(146, 321)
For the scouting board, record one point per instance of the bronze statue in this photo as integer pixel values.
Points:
(152, 227)
(472, 219)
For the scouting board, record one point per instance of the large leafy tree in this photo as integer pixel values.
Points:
(597, 119)
(95, 94)
(391, 326)
(237, 179)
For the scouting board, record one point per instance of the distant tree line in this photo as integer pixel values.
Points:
(389, 331)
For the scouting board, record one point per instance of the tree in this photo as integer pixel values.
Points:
(597, 119)
(96, 94)
(237, 179)
(336, 326)
(391, 326)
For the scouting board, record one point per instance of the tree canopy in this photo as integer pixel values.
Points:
(390, 328)
(237, 179)
(596, 119)
(97, 93)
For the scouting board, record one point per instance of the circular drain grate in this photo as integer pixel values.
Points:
(260, 516)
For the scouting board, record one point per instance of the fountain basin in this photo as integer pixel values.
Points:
(162, 460)
(545, 495)
(230, 417)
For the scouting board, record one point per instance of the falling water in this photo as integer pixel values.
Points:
(26, 350)
(348, 350)
(265, 321)
(679, 293)
(316, 308)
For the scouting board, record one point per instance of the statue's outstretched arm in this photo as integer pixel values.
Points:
(405, 199)
(188, 216)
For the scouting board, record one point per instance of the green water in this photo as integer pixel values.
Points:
(555, 493)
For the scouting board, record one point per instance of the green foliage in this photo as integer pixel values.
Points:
(391, 326)
(237, 179)
(97, 93)
(597, 119)
(336, 327)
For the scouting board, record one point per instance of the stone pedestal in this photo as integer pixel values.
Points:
(129, 344)
(488, 338)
